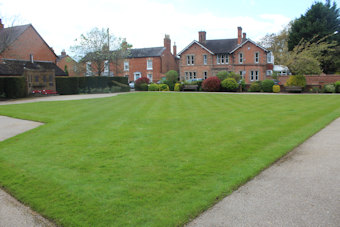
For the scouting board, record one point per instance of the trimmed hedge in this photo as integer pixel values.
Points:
(13, 87)
(153, 87)
(337, 86)
(73, 85)
(255, 87)
(230, 84)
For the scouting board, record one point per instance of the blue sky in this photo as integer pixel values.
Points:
(145, 22)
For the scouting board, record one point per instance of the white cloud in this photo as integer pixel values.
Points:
(142, 22)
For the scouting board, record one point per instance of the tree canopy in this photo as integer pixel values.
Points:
(322, 19)
(100, 47)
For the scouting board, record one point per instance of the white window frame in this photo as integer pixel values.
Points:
(149, 77)
(240, 58)
(243, 74)
(254, 75)
(205, 59)
(88, 69)
(269, 72)
(227, 58)
(126, 66)
(137, 75)
(190, 59)
(149, 64)
(257, 57)
(106, 68)
(270, 58)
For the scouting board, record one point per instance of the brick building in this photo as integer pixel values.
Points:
(205, 58)
(21, 42)
(152, 62)
(69, 65)
(24, 53)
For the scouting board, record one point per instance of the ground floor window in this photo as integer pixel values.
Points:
(190, 75)
(254, 75)
(150, 77)
(137, 75)
(205, 75)
(242, 74)
(269, 72)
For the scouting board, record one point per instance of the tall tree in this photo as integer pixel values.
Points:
(98, 47)
(277, 44)
(321, 20)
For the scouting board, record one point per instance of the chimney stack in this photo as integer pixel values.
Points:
(1, 25)
(174, 50)
(167, 42)
(244, 35)
(63, 53)
(239, 35)
(202, 37)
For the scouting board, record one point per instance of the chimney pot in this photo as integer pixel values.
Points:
(244, 35)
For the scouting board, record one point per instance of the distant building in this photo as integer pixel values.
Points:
(281, 70)
(69, 65)
(205, 58)
(152, 62)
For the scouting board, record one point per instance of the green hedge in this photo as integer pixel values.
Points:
(13, 87)
(73, 85)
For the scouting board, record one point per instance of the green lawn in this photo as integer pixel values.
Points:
(150, 159)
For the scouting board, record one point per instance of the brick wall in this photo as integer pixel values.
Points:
(314, 79)
(72, 66)
(212, 68)
(29, 43)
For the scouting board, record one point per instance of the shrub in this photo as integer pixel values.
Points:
(171, 84)
(115, 89)
(255, 87)
(229, 84)
(296, 80)
(141, 84)
(329, 88)
(222, 75)
(211, 84)
(267, 85)
(164, 87)
(67, 85)
(172, 76)
(153, 87)
(236, 76)
(177, 87)
(13, 87)
(276, 88)
(337, 86)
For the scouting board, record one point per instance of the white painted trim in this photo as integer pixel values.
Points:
(193, 42)
(251, 41)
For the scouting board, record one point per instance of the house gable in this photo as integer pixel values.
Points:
(191, 44)
(26, 41)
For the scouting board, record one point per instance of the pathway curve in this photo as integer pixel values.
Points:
(301, 189)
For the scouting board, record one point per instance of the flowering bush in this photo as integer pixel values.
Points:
(276, 88)
(177, 87)
(211, 84)
(164, 87)
(141, 84)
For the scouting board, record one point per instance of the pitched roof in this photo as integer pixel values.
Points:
(146, 52)
(219, 46)
(9, 67)
(10, 34)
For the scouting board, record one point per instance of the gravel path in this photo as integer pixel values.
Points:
(301, 189)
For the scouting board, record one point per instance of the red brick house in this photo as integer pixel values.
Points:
(21, 42)
(152, 62)
(205, 58)
(69, 65)
(24, 53)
